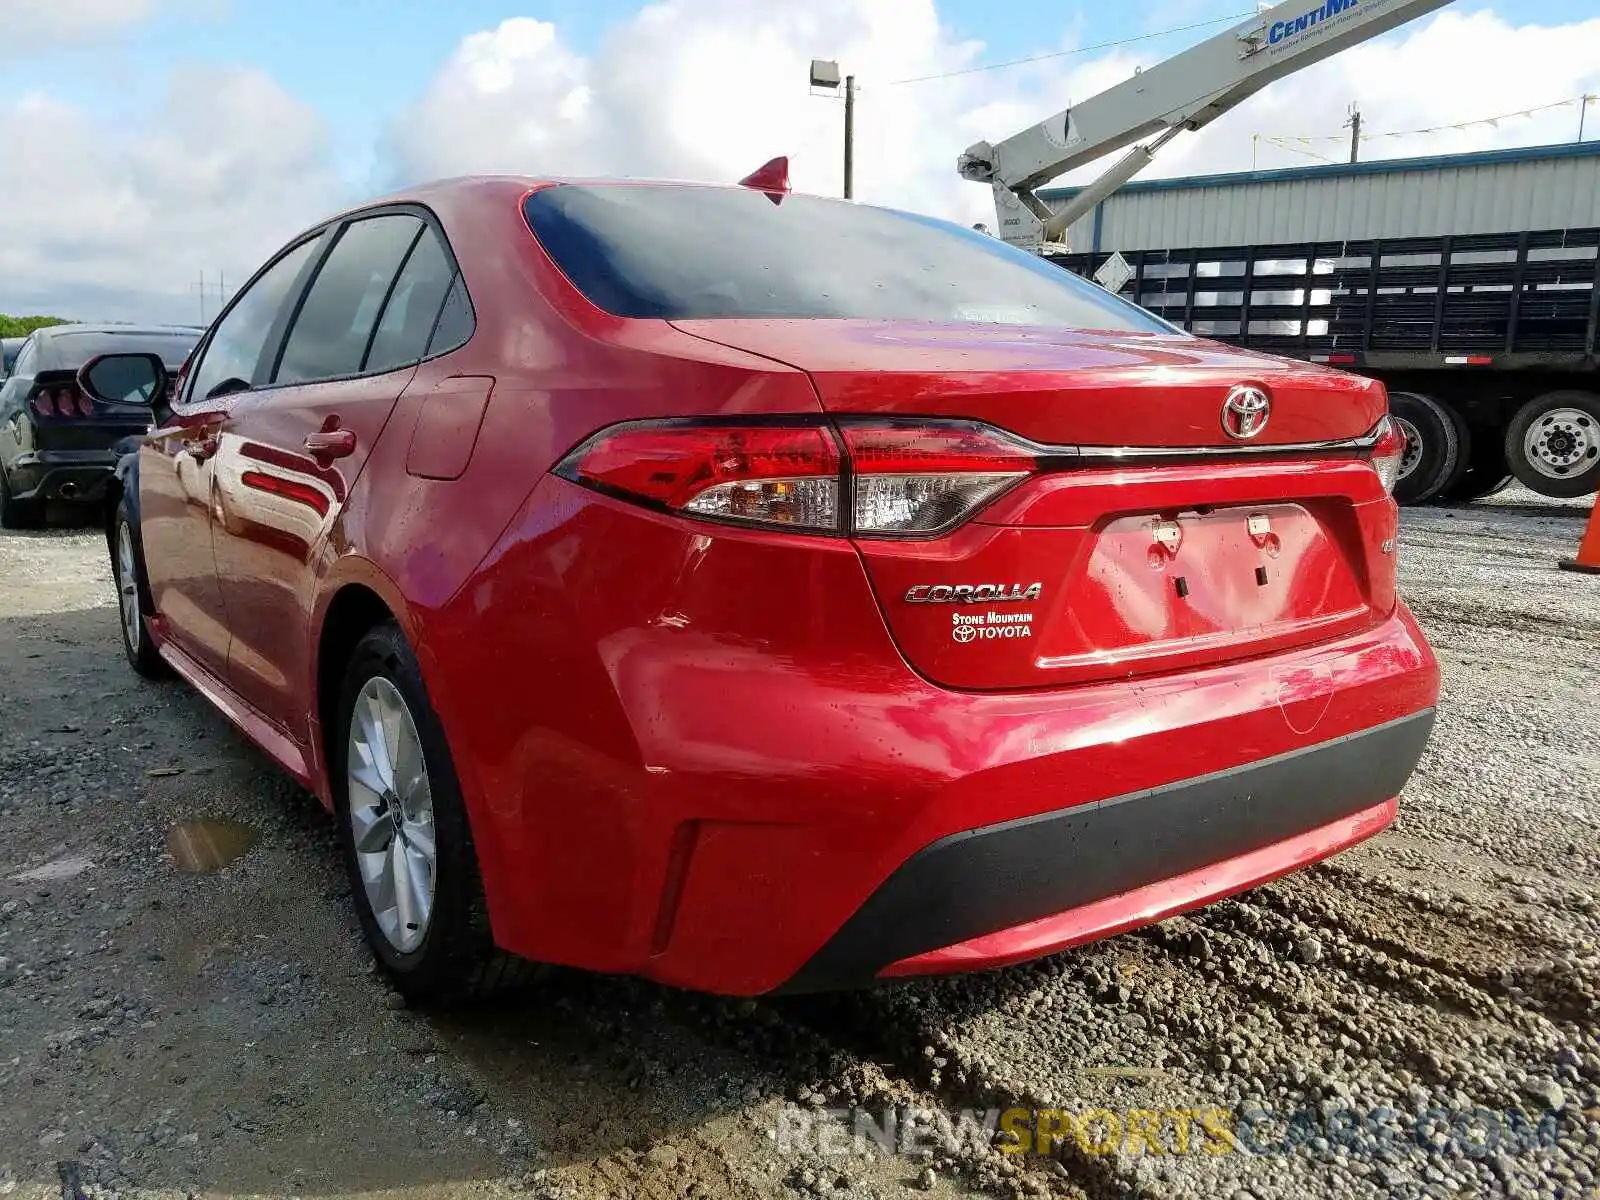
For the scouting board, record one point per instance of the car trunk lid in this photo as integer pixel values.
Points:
(1056, 386)
(1094, 567)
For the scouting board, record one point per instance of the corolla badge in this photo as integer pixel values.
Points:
(970, 593)
(1245, 412)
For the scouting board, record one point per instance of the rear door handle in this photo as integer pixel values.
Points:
(331, 443)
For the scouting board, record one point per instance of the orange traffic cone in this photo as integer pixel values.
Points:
(1588, 560)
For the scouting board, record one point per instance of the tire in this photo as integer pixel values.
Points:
(1433, 456)
(18, 514)
(439, 950)
(133, 595)
(1553, 444)
(1486, 471)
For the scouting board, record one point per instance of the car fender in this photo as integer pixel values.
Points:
(124, 482)
(347, 570)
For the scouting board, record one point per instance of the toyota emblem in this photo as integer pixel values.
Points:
(1245, 412)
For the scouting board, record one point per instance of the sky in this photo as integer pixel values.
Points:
(152, 144)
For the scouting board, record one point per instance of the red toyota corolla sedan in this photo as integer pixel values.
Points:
(760, 592)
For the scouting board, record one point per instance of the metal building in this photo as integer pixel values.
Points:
(1494, 191)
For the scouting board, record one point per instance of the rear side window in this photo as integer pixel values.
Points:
(235, 347)
(455, 321)
(670, 251)
(332, 330)
(413, 309)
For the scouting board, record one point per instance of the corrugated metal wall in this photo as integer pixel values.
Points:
(1494, 192)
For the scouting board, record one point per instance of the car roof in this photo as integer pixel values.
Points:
(111, 328)
(458, 187)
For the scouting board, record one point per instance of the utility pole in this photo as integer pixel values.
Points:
(825, 74)
(849, 135)
(1355, 133)
(1583, 111)
(202, 295)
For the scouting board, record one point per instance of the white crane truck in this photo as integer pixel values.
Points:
(1481, 395)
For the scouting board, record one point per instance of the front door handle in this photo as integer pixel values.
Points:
(331, 443)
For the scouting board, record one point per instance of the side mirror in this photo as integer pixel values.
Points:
(124, 379)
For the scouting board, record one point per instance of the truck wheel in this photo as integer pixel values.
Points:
(1553, 444)
(1486, 470)
(1432, 458)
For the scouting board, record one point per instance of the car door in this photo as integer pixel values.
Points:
(292, 450)
(177, 460)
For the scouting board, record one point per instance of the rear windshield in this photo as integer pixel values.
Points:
(69, 351)
(700, 252)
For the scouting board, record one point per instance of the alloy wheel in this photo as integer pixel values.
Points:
(128, 586)
(391, 814)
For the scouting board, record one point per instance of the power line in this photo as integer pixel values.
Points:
(1397, 133)
(1127, 41)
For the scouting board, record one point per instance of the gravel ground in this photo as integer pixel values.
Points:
(1417, 1017)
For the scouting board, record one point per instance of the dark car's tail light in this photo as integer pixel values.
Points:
(890, 479)
(61, 402)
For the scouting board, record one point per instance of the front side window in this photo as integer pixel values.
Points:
(683, 252)
(331, 332)
(235, 349)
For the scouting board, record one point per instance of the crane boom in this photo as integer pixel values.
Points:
(1187, 91)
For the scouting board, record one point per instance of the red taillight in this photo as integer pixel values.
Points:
(771, 475)
(85, 405)
(43, 404)
(1388, 452)
(904, 480)
(914, 480)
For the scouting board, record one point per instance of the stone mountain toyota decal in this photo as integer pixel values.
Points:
(966, 628)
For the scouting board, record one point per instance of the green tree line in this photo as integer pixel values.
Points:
(11, 327)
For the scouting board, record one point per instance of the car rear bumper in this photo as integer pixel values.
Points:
(1004, 893)
(62, 474)
(1049, 821)
(743, 787)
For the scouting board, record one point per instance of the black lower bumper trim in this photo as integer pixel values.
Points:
(985, 880)
(77, 481)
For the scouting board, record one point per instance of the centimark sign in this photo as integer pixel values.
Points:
(1282, 31)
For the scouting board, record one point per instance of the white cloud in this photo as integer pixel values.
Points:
(708, 89)
(118, 219)
(29, 25)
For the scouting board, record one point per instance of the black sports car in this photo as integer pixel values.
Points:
(56, 442)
